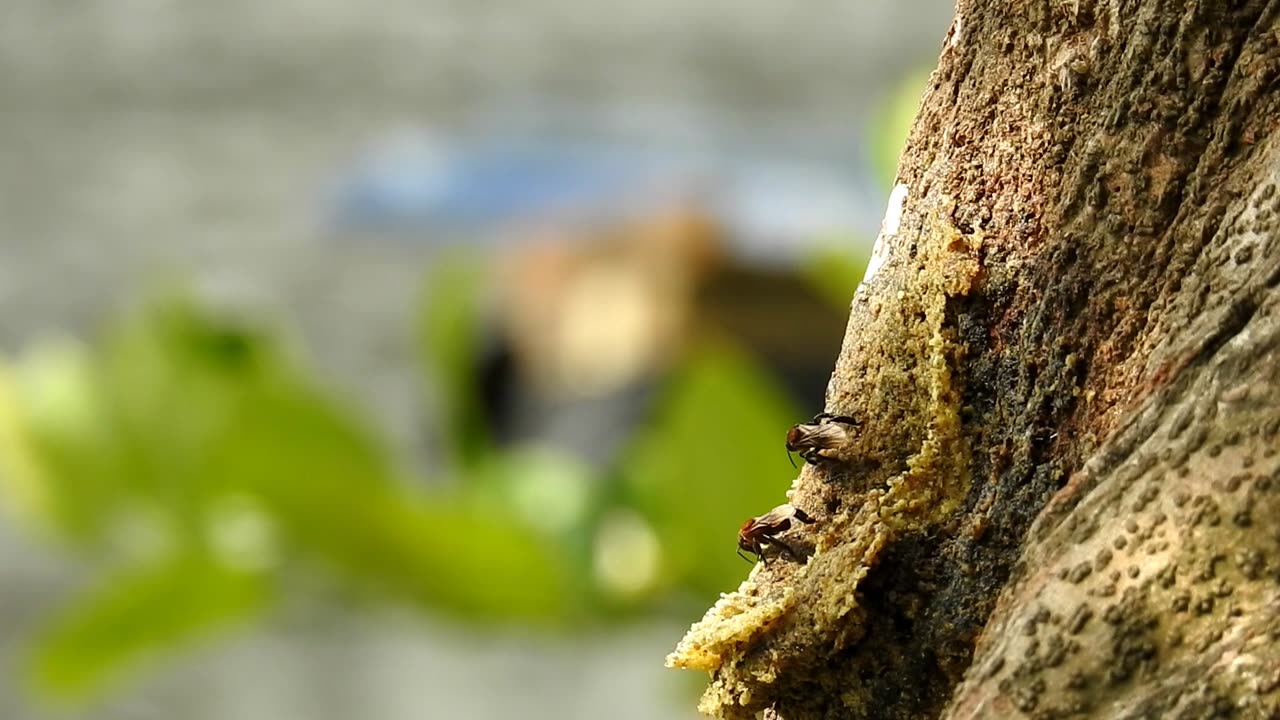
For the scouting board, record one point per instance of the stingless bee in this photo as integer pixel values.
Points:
(757, 532)
(820, 439)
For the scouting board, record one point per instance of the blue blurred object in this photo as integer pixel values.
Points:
(768, 196)
(414, 181)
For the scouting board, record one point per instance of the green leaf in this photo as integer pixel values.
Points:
(324, 483)
(186, 437)
(713, 457)
(449, 334)
(892, 124)
(472, 561)
(136, 614)
(132, 421)
(835, 273)
(58, 429)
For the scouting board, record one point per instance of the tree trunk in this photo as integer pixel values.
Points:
(1064, 496)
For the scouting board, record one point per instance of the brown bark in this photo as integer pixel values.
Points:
(1065, 497)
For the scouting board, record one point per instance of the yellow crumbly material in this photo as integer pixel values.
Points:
(731, 622)
(790, 624)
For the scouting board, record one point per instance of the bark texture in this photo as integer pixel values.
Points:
(1065, 497)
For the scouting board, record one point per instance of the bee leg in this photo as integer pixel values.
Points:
(826, 417)
(744, 557)
(784, 547)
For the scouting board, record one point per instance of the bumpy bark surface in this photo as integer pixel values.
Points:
(1064, 500)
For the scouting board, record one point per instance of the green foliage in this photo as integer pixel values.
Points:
(138, 612)
(892, 124)
(333, 500)
(835, 273)
(191, 455)
(197, 464)
(712, 458)
(449, 339)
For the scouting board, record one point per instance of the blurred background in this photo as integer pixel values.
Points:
(414, 359)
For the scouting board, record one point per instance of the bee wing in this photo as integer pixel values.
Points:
(774, 518)
(807, 435)
(779, 519)
(829, 435)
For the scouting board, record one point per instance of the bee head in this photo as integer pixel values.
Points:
(794, 436)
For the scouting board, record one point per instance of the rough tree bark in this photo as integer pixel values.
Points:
(1064, 499)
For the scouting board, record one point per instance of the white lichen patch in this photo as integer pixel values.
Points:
(888, 230)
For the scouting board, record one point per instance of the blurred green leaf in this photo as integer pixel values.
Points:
(195, 453)
(449, 335)
(333, 499)
(134, 615)
(132, 421)
(549, 489)
(836, 272)
(59, 428)
(477, 562)
(713, 456)
(892, 124)
(27, 402)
